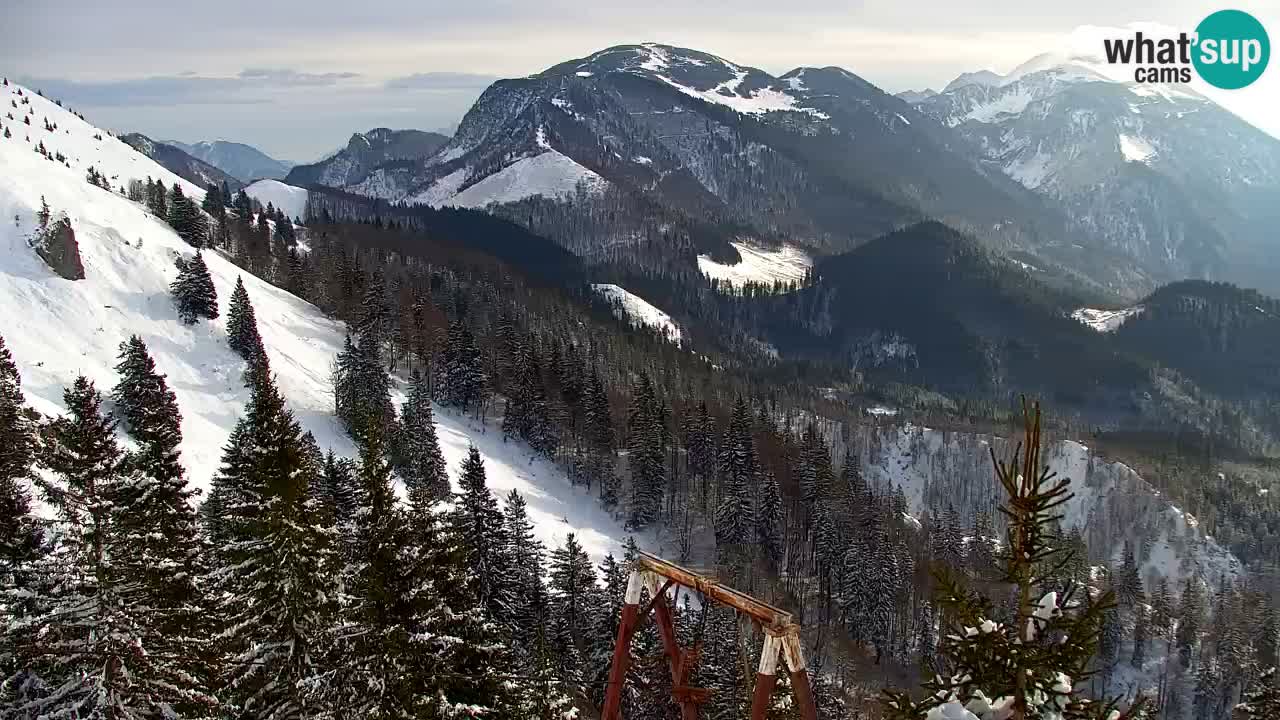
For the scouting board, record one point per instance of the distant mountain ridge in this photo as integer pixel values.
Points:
(817, 157)
(1159, 173)
(239, 160)
(181, 163)
(365, 153)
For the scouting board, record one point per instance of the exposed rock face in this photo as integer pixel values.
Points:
(1112, 504)
(57, 246)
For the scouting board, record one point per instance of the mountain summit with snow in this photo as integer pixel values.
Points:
(1160, 173)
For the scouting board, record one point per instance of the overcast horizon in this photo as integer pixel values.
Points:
(296, 79)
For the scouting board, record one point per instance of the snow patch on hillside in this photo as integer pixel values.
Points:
(1136, 149)
(441, 190)
(57, 329)
(1106, 320)
(760, 100)
(786, 264)
(640, 310)
(549, 174)
(289, 198)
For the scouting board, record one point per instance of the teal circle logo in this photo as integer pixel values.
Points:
(1232, 49)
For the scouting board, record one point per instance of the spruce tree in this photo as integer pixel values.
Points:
(462, 382)
(478, 524)
(1030, 668)
(419, 460)
(646, 454)
(86, 636)
(530, 603)
(573, 590)
(379, 644)
(194, 292)
(276, 574)
(242, 325)
(22, 541)
(156, 522)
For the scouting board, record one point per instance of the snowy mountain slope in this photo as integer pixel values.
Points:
(1111, 503)
(640, 311)
(1159, 173)
(817, 158)
(180, 162)
(58, 329)
(292, 200)
(786, 264)
(549, 174)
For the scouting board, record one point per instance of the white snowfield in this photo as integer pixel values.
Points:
(549, 174)
(640, 311)
(289, 198)
(57, 329)
(1106, 320)
(758, 265)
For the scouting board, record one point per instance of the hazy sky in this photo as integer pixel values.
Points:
(297, 78)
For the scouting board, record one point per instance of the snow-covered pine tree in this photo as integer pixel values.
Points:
(462, 382)
(242, 325)
(185, 217)
(1263, 701)
(770, 522)
(160, 544)
(193, 291)
(1029, 669)
(573, 589)
(378, 641)
(478, 525)
(738, 470)
(529, 609)
(646, 454)
(276, 574)
(21, 537)
(419, 461)
(85, 639)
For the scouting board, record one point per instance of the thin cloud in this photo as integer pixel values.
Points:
(251, 86)
(293, 78)
(440, 81)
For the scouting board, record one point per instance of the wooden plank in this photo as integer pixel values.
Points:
(771, 617)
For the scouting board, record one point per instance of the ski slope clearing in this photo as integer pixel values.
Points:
(1106, 320)
(57, 329)
(549, 174)
(640, 311)
(291, 199)
(787, 264)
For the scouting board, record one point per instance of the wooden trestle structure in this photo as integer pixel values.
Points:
(782, 636)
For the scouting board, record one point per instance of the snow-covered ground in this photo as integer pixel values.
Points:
(640, 310)
(758, 265)
(289, 198)
(1135, 149)
(1110, 502)
(549, 174)
(1105, 320)
(57, 329)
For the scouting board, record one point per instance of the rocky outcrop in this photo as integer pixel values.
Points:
(56, 245)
